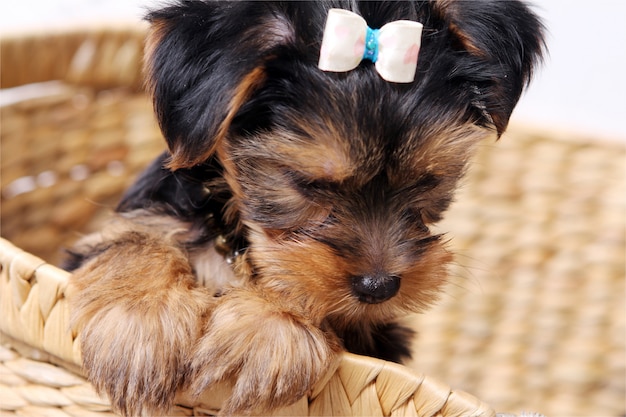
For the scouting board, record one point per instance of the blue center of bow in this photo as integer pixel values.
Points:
(371, 44)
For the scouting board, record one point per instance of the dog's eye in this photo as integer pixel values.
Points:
(419, 187)
(313, 227)
(309, 187)
(415, 217)
(425, 183)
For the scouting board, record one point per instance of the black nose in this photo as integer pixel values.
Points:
(375, 288)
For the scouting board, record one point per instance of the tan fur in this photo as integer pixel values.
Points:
(213, 272)
(318, 286)
(138, 305)
(275, 352)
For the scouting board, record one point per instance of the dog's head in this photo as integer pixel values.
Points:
(337, 177)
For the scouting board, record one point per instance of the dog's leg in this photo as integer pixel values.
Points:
(275, 354)
(139, 313)
(387, 341)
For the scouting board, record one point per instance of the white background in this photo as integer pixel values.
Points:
(581, 87)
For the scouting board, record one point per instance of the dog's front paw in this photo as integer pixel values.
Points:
(274, 355)
(135, 360)
(138, 314)
(138, 355)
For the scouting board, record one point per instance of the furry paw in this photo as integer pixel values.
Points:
(136, 360)
(138, 314)
(274, 355)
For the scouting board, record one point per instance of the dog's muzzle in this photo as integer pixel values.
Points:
(374, 289)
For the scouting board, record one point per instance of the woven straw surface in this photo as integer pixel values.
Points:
(77, 142)
(535, 316)
(69, 148)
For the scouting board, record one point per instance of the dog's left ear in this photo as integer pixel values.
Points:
(203, 62)
(502, 42)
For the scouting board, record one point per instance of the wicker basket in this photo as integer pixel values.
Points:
(70, 146)
(536, 316)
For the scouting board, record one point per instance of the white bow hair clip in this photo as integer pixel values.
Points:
(393, 48)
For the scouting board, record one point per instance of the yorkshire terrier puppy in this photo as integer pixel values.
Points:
(290, 218)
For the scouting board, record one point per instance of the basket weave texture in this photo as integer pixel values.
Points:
(535, 318)
(70, 147)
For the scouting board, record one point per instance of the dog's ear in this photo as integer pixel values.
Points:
(501, 43)
(203, 61)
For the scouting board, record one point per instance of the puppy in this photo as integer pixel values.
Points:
(290, 218)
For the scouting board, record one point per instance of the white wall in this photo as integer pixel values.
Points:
(582, 86)
(583, 83)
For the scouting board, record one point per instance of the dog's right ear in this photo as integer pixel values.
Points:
(498, 43)
(203, 62)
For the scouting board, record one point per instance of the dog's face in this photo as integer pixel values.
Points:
(337, 177)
